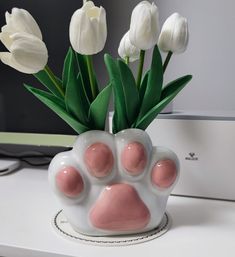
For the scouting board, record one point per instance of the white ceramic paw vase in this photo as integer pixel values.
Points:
(114, 184)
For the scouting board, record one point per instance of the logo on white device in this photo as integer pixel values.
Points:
(192, 157)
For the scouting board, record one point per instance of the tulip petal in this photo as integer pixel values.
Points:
(94, 12)
(74, 29)
(88, 29)
(88, 5)
(126, 49)
(6, 40)
(21, 20)
(7, 17)
(28, 53)
(7, 59)
(181, 36)
(174, 34)
(144, 25)
(81, 33)
(102, 27)
(84, 33)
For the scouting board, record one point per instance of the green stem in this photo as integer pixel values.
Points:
(91, 76)
(140, 70)
(167, 61)
(127, 60)
(53, 79)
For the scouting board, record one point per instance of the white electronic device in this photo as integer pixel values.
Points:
(205, 145)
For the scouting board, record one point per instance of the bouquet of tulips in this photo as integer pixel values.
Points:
(76, 96)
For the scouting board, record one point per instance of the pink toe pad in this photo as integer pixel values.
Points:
(69, 182)
(120, 208)
(133, 158)
(99, 160)
(164, 173)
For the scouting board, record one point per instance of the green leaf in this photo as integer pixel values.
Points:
(168, 94)
(59, 81)
(43, 77)
(58, 107)
(120, 121)
(99, 107)
(175, 85)
(142, 90)
(131, 94)
(75, 97)
(115, 123)
(67, 61)
(82, 65)
(154, 86)
(143, 86)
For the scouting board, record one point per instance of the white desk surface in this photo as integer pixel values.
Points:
(27, 205)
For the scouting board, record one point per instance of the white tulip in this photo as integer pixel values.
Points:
(27, 53)
(23, 38)
(21, 20)
(174, 35)
(88, 29)
(127, 50)
(144, 26)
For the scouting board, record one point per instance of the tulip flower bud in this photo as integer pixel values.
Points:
(88, 29)
(144, 26)
(23, 38)
(21, 20)
(127, 50)
(27, 53)
(174, 35)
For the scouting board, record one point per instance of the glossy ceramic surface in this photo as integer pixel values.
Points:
(114, 184)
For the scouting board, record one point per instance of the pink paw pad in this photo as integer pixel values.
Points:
(164, 173)
(120, 208)
(134, 158)
(99, 160)
(69, 182)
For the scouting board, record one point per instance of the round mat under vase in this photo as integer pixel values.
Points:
(62, 226)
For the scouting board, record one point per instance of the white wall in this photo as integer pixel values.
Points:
(210, 56)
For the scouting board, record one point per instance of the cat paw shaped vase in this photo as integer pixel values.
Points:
(114, 184)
